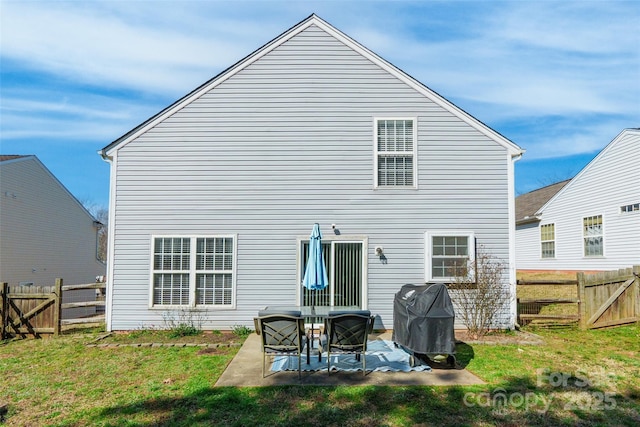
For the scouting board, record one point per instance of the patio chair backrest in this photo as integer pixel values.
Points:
(281, 333)
(348, 331)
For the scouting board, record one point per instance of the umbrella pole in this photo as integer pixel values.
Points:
(310, 333)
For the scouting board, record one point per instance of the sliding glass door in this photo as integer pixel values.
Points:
(344, 262)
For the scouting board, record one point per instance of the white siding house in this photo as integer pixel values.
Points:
(45, 233)
(591, 222)
(213, 199)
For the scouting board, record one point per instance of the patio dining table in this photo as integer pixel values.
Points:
(312, 313)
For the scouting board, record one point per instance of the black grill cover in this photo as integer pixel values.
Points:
(423, 319)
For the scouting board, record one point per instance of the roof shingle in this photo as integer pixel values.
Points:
(529, 203)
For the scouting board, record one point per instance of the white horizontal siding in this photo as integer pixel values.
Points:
(288, 142)
(612, 180)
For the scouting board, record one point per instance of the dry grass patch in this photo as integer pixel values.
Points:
(548, 292)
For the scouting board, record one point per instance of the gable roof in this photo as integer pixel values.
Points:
(313, 19)
(529, 204)
(589, 165)
(16, 158)
(7, 157)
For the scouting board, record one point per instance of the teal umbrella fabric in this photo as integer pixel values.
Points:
(315, 274)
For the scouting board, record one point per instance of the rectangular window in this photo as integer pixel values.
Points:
(548, 241)
(395, 153)
(593, 236)
(214, 271)
(630, 208)
(189, 271)
(171, 271)
(448, 255)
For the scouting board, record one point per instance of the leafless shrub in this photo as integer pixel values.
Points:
(480, 294)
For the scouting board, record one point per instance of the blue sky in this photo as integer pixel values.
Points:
(559, 78)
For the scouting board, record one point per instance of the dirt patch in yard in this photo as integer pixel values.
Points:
(165, 337)
(212, 351)
(501, 338)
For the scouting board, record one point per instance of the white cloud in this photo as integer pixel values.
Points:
(99, 46)
(594, 27)
(67, 115)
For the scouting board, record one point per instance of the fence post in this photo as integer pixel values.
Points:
(4, 306)
(636, 273)
(582, 308)
(57, 310)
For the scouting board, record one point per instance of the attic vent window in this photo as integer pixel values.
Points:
(630, 208)
(395, 153)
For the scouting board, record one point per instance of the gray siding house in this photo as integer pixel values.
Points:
(45, 232)
(213, 199)
(591, 222)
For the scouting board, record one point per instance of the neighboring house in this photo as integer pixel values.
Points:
(45, 232)
(213, 199)
(591, 222)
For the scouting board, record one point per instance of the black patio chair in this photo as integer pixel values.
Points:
(347, 333)
(281, 334)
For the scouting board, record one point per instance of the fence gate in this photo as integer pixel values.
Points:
(30, 310)
(609, 298)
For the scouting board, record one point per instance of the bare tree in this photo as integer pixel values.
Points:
(480, 294)
(100, 214)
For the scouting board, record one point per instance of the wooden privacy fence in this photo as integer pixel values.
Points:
(37, 310)
(608, 298)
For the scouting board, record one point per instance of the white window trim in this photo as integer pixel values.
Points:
(414, 153)
(429, 245)
(582, 236)
(545, 241)
(192, 273)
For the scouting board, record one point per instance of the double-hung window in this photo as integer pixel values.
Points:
(193, 271)
(593, 236)
(448, 255)
(548, 241)
(395, 152)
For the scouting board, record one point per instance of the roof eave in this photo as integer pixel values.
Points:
(529, 220)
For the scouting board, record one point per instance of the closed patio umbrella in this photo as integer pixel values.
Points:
(315, 273)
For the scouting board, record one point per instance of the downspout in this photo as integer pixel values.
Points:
(512, 239)
(110, 245)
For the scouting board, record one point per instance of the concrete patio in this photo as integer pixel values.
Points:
(245, 370)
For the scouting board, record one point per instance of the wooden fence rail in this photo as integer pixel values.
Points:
(36, 310)
(530, 309)
(608, 298)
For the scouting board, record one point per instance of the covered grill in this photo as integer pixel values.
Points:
(423, 322)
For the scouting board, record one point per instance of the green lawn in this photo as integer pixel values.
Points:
(62, 382)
